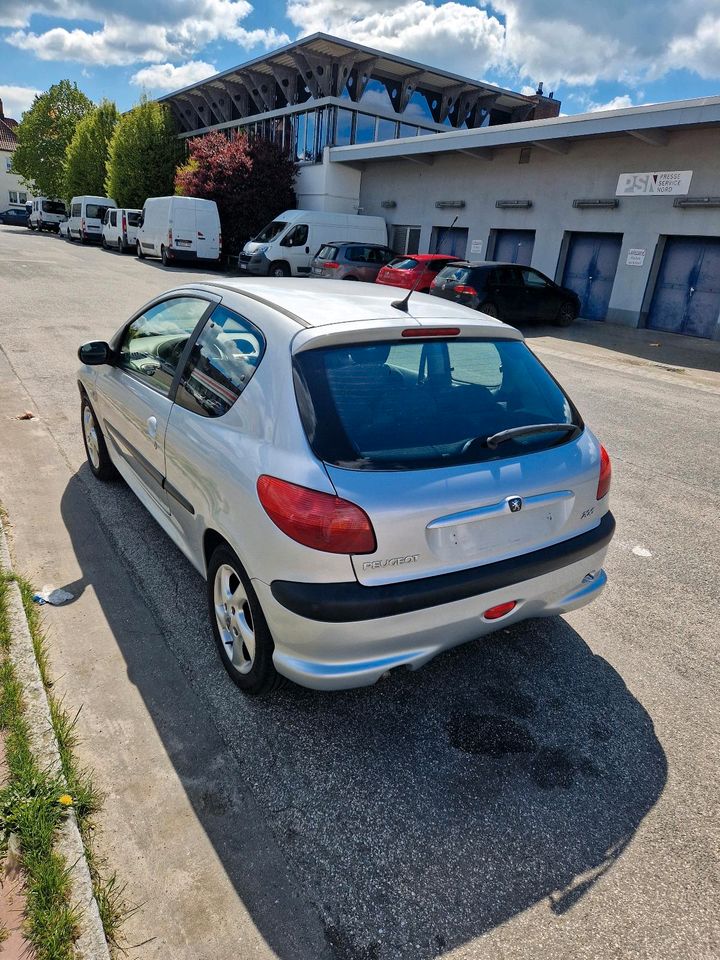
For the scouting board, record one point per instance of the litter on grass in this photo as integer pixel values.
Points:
(54, 595)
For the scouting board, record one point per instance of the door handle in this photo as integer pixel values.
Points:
(307, 249)
(152, 427)
(692, 290)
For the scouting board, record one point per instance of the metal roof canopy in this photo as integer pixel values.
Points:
(353, 55)
(652, 124)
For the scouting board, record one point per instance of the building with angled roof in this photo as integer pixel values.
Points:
(12, 192)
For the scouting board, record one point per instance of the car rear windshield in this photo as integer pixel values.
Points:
(133, 219)
(403, 263)
(453, 274)
(327, 253)
(271, 231)
(53, 206)
(404, 406)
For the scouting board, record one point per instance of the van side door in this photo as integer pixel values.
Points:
(295, 249)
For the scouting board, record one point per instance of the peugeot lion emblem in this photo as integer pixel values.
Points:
(515, 504)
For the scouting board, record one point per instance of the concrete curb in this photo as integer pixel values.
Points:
(91, 943)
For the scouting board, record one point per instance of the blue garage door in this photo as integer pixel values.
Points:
(450, 240)
(687, 292)
(514, 246)
(590, 271)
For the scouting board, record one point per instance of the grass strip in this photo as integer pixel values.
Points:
(34, 803)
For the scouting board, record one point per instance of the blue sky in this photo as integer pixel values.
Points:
(593, 55)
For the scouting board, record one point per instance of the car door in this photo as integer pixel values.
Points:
(505, 289)
(134, 394)
(541, 297)
(216, 371)
(296, 250)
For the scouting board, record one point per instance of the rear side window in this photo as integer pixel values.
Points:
(95, 211)
(453, 274)
(221, 364)
(133, 219)
(357, 254)
(75, 212)
(403, 406)
(328, 253)
(53, 206)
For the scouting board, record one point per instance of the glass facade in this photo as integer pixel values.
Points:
(305, 134)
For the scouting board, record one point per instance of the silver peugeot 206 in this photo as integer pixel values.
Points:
(363, 481)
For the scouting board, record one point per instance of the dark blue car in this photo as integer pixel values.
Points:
(14, 217)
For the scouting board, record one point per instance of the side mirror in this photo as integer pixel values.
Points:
(95, 353)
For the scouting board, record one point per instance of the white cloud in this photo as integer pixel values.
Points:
(617, 103)
(134, 31)
(16, 100)
(165, 76)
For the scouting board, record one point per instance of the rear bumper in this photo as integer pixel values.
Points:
(174, 254)
(351, 602)
(329, 654)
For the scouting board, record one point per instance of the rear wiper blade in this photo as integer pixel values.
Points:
(497, 438)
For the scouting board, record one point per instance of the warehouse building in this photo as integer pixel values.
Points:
(622, 206)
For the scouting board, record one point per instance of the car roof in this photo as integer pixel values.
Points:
(426, 257)
(355, 243)
(312, 302)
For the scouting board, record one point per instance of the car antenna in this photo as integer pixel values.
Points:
(403, 304)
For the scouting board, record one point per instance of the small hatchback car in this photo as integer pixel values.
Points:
(509, 291)
(363, 482)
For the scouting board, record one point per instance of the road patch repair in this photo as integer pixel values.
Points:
(40, 831)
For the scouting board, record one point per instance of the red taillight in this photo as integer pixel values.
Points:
(170, 237)
(220, 241)
(124, 224)
(331, 264)
(494, 613)
(605, 474)
(431, 332)
(462, 288)
(318, 520)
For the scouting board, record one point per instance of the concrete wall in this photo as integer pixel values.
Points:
(552, 181)
(332, 187)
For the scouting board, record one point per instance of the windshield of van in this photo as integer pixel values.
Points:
(404, 406)
(53, 206)
(269, 232)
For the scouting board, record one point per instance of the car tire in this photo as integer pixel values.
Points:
(166, 261)
(95, 447)
(279, 269)
(120, 247)
(32, 226)
(566, 314)
(104, 244)
(138, 251)
(242, 636)
(489, 309)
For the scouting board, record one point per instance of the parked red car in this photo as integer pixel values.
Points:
(416, 270)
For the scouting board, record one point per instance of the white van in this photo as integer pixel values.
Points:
(287, 246)
(86, 217)
(46, 214)
(120, 229)
(179, 228)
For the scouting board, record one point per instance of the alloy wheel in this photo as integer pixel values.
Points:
(234, 619)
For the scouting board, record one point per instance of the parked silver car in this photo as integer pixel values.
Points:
(350, 261)
(362, 482)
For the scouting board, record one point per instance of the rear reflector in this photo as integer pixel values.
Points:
(605, 474)
(463, 288)
(318, 520)
(431, 332)
(331, 264)
(494, 613)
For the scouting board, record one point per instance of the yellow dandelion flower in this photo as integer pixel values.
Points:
(65, 799)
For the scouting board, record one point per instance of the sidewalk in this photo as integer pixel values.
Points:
(691, 358)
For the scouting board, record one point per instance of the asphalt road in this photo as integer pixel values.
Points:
(549, 792)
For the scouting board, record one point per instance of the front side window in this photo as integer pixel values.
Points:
(221, 364)
(296, 237)
(533, 279)
(327, 252)
(152, 345)
(113, 218)
(405, 406)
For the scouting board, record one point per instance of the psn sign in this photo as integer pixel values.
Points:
(657, 183)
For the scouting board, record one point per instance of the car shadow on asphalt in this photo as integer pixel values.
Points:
(415, 815)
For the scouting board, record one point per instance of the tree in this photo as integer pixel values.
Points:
(144, 152)
(251, 182)
(44, 133)
(87, 153)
